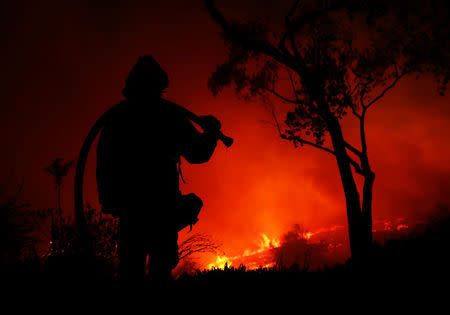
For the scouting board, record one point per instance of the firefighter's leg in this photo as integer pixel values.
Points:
(132, 252)
(163, 257)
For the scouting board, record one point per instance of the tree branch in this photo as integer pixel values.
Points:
(303, 141)
(356, 166)
(291, 29)
(289, 32)
(355, 112)
(352, 149)
(311, 105)
(362, 116)
(197, 243)
(397, 78)
(255, 45)
(361, 98)
(293, 85)
(300, 140)
(287, 100)
(313, 16)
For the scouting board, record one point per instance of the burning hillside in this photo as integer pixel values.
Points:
(304, 249)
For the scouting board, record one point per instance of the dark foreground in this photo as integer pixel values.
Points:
(420, 258)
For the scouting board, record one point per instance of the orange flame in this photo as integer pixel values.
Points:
(264, 243)
(259, 258)
(220, 263)
(262, 256)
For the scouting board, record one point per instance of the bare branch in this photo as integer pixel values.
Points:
(197, 243)
(303, 141)
(280, 96)
(353, 149)
(361, 98)
(397, 78)
(362, 116)
(355, 112)
(356, 166)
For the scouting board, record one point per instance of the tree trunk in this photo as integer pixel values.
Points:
(367, 206)
(356, 224)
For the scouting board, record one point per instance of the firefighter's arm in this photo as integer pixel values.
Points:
(198, 147)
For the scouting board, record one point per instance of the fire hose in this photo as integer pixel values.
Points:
(85, 243)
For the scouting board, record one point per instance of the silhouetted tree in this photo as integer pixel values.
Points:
(186, 267)
(294, 250)
(297, 252)
(58, 169)
(331, 58)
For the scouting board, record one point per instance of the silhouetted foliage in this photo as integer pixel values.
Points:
(59, 257)
(14, 228)
(104, 232)
(296, 251)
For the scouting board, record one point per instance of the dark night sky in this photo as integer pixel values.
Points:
(64, 63)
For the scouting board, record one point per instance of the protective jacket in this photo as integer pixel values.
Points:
(137, 155)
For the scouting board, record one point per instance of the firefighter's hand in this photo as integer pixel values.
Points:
(210, 123)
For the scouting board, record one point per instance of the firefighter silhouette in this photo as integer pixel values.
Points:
(138, 156)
